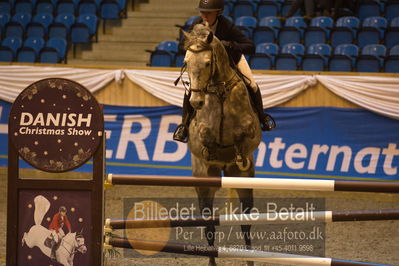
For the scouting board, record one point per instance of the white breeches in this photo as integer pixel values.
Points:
(244, 68)
(57, 236)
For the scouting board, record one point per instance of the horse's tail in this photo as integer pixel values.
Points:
(42, 205)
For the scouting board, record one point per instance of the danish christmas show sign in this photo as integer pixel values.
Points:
(55, 125)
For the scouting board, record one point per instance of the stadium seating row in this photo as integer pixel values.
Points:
(55, 7)
(33, 50)
(48, 21)
(373, 30)
(295, 56)
(265, 8)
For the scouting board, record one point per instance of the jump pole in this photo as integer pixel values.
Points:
(255, 218)
(228, 253)
(254, 183)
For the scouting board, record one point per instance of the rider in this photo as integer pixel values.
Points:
(56, 225)
(236, 44)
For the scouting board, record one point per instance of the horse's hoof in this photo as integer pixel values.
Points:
(212, 262)
(250, 263)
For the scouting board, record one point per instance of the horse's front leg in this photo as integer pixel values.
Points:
(246, 198)
(206, 197)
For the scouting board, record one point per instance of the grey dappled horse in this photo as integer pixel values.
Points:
(225, 129)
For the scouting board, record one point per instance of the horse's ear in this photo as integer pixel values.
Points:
(209, 39)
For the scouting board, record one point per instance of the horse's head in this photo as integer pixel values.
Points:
(200, 62)
(80, 243)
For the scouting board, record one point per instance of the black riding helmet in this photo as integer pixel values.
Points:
(210, 5)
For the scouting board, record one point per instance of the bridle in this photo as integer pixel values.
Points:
(73, 248)
(210, 87)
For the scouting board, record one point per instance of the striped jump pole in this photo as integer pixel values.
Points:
(228, 253)
(255, 218)
(254, 183)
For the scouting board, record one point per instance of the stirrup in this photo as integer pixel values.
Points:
(181, 133)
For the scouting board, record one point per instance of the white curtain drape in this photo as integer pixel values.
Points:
(378, 94)
(13, 79)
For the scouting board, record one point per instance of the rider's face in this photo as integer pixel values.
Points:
(210, 16)
(63, 213)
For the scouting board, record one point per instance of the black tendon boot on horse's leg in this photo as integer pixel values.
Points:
(205, 201)
(181, 132)
(267, 122)
(247, 203)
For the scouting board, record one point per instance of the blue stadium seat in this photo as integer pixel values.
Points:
(87, 7)
(67, 19)
(372, 31)
(290, 56)
(4, 19)
(61, 45)
(243, 8)
(22, 18)
(14, 29)
(292, 31)
(65, 6)
(109, 9)
(6, 54)
(267, 30)
(391, 9)
(44, 19)
(12, 42)
(49, 55)
(371, 58)
(246, 24)
(35, 29)
(368, 8)
(169, 46)
(344, 58)
(268, 8)
(318, 30)
(26, 55)
(345, 31)
(35, 43)
(44, 6)
(265, 56)
(392, 60)
(91, 21)
(5, 7)
(161, 59)
(23, 6)
(316, 57)
(57, 29)
(392, 33)
(80, 34)
(164, 54)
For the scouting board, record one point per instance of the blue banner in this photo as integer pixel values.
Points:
(311, 142)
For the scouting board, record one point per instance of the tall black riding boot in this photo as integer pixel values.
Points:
(266, 121)
(181, 132)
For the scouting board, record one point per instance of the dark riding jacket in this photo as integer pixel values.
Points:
(238, 43)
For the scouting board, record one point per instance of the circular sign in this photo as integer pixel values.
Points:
(56, 125)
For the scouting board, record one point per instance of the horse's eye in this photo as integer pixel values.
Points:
(207, 64)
